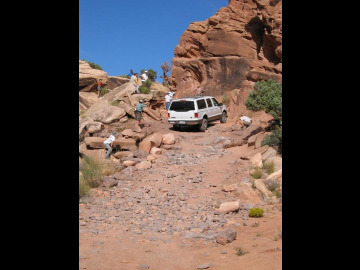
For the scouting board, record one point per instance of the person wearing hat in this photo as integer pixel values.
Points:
(138, 110)
(144, 77)
(109, 143)
(134, 80)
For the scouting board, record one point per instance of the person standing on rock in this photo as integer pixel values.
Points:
(109, 143)
(168, 99)
(138, 110)
(131, 73)
(99, 83)
(144, 77)
(134, 80)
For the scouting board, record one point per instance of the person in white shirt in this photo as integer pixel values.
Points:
(109, 143)
(168, 99)
(144, 77)
(245, 120)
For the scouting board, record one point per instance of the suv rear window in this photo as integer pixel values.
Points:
(201, 104)
(182, 106)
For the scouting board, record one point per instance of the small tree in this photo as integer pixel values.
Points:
(152, 74)
(166, 68)
(267, 95)
(93, 65)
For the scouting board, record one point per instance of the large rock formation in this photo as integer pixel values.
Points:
(239, 45)
(88, 76)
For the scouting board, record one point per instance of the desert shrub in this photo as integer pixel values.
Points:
(147, 83)
(103, 91)
(277, 193)
(91, 170)
(267, 95)
(225, 99)
(115, 102)
(269, 167)
(144, 90)
(272, 184)
(256, 212)
(152, 75)
(257, 173)
(84, 188)
(274, 139)
(93, 65)
(240, 251)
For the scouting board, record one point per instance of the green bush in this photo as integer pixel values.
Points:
(144, 90)
(272, 184)
(269, 167)
(152, 74)
(274, 139)
(147, 83)
(92, 171)
(256, 212)
(93, 65)
(240, 251)
(115, 102)
(84, 188)
(225, 99)
(257, 173)
(267, 95)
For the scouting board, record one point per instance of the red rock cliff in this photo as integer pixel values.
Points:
(239, 45)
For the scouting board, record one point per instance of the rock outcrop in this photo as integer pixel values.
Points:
(88, 76)
(239, 45)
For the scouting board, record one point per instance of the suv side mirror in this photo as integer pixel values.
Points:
(220, 104)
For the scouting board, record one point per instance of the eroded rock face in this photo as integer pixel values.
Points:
(241, 43)
(88, 76)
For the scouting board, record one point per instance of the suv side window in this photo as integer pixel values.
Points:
(208, 101)
(215, 102)
(201, 104)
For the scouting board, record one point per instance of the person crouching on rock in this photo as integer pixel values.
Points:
(138, 110)
(109, 143)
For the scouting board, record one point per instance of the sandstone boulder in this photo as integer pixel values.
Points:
(114, 81)
(143, 165)
(155, 151)
(83, 123)
(168, 139)
(270, 152)
(87, 99)
(121, 154)
(127, 133)
(128, 163)
(246, 194)
(94, 127)
(89, 76)
(256, 160)
(261, 186)
(226, 236)
(228, 207)
(277, 161)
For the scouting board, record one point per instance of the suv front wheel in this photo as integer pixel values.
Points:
(223, 117)
(203, 124)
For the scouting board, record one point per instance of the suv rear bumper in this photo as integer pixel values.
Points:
(185, 122)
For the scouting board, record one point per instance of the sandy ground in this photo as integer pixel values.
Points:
(117, 247)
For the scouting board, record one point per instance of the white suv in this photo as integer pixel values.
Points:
(198, 110)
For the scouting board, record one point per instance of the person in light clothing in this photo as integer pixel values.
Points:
(134, 80)
(246, 121)
(138, 110)
(109, 143)
(168, 99)
(144, 77)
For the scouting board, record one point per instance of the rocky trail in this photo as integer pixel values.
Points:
(167, 217)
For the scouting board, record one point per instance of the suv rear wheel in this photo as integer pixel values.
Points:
(203, 124)
(223, 117)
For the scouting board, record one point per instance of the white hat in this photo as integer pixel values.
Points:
(145, 70)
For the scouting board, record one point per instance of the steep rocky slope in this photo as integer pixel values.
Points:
(239, 45)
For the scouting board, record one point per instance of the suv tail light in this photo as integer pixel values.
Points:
(196, 115)
(168, 115)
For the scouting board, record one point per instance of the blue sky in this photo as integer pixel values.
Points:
(119, 35)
